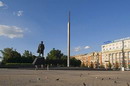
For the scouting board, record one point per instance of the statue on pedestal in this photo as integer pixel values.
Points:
(40, 59)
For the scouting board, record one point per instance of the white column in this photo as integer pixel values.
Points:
(111, 58)
(127, 59)
(68, 45)
(120, 59)
(115, 57)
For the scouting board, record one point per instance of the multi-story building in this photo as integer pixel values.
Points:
(94, 58)
(91, 59)
(116, 52)
(82, 58)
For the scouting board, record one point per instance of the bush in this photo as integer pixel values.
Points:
(75, 63)
(116, 65)
(102, 66)
(109, 65)
(18, 64)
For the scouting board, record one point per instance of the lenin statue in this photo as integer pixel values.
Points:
(41, 48)
(39, 61)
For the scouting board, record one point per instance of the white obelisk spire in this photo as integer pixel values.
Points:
(68, 43)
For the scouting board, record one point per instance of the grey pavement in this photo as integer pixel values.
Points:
(24, 77)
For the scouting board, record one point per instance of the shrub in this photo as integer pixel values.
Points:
(18, 64)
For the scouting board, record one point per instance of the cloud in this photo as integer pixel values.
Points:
(79, 48)
(18, 13)
(11, 31)
(86, 47)
(3, 5)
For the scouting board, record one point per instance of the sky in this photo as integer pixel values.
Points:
(25, 23)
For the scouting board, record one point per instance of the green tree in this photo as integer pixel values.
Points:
(54, 54)
(27, 57)
(27, 53)
(116, 65)
(10, 55)
(74, 62)
(109, 65)
(55, 58)
(91, 65)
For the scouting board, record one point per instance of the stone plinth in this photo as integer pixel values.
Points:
(38, 61)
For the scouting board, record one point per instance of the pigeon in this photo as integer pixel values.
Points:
(109, 78)
(84, 84)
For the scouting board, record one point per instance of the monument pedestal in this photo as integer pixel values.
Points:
(38, 61)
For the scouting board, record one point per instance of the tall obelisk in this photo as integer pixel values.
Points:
(68, 43)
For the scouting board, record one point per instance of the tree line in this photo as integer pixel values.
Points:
(53, 58)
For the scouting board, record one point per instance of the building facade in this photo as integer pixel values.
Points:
(116, 53)
(93, 59)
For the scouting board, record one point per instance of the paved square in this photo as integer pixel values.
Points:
(22, 77)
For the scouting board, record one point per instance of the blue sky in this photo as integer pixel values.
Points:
(24, 23)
